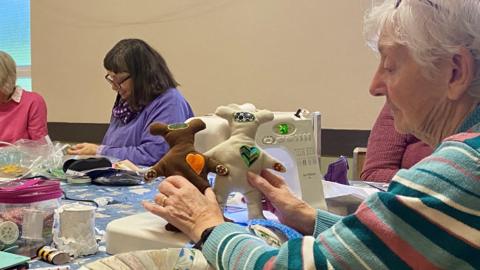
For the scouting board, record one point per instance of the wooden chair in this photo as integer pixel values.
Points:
(359, 154)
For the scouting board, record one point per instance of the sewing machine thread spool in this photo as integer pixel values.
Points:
(32, 224)
(52, 255)
(76, 234)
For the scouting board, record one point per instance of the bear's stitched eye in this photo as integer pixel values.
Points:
(243, 117)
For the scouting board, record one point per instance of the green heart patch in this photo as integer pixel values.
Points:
(249, 154)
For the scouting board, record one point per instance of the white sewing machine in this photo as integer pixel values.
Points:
(292, 138)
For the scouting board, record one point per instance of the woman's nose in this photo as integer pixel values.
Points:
(377, 92)
(378, 86)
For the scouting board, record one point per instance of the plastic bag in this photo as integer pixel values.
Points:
(27, 157)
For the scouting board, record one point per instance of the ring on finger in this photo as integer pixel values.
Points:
(164, 199)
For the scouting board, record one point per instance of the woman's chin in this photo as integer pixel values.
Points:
(401, 127)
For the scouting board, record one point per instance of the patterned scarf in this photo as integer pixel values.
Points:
(122, 111)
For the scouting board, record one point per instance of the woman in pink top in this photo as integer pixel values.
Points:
(389, 151)
(23, 115)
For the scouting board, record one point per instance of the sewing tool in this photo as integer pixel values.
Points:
(52, 255)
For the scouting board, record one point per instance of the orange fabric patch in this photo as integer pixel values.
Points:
(196, 162)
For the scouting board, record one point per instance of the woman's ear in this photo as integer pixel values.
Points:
(462, 73)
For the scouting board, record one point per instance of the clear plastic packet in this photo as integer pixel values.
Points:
(28, 157)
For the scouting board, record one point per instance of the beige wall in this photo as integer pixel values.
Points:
(277, 54)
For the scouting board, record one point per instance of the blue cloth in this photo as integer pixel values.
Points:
(288, 232)
(127, 201)
(133, 140)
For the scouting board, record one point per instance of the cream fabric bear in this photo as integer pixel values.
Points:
(240, 154)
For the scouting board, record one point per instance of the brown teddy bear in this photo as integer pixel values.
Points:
(182, 158)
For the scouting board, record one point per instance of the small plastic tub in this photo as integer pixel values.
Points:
(27, 209)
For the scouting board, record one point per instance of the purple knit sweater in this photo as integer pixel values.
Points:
(133, 140)
(388, 151)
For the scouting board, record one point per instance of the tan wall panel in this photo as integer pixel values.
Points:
(277, 54)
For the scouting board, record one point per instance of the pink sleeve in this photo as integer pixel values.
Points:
(385, 149)
(415, 152)
(37, 118)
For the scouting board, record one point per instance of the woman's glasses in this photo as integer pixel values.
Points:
(430, 3)
(117, 84)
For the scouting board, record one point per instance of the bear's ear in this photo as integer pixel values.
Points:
(264, 116)
(237, 107)
(225, 112)
(196, 125)
(159, 129)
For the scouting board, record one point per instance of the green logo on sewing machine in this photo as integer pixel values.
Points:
(283, 129)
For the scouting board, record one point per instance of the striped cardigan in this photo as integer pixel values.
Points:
(428, 219)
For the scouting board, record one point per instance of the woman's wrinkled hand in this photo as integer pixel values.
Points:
(289, 209)
(180, 203)
(83, 149)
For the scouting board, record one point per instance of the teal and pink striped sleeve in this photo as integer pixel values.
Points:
(429, 219)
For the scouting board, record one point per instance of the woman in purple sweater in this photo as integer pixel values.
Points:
(146, 93)
(389, 151)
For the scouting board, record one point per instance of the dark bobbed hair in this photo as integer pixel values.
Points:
(147, 68)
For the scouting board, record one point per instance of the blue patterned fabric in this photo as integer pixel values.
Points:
(126, 202)
(288, 232)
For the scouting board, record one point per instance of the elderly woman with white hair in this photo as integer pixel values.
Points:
(430, 217)
(23, 114)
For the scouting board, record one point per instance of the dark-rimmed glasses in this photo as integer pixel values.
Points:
(397, 3)
(114, 83)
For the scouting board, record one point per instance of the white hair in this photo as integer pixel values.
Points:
(430, 29)
(8, 73)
